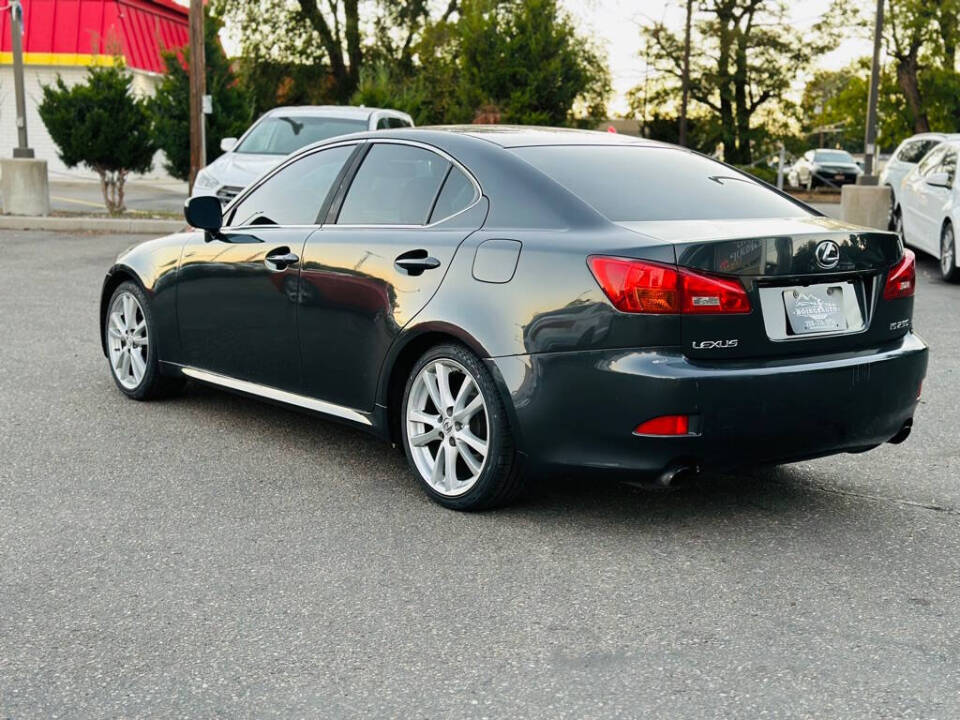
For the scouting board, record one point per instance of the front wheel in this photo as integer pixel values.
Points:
(130, 339)
(948, 254)
(456, 435)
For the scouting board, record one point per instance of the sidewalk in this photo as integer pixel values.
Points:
(72, 194)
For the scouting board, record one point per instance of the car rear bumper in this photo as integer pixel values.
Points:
(579, 409)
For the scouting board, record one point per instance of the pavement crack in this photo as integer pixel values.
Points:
(883, 498)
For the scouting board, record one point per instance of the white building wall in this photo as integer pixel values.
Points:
(43, 146)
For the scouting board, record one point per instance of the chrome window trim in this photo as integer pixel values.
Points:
(271, 393)
(429, 148)
(365, 141)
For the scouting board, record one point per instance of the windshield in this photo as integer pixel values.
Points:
(833, 156)
(653, 183)
(282, 134)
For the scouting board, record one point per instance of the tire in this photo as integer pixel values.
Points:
(897, 223)
(948, 254)
(458, 379)
(893, 211)
(138, 374)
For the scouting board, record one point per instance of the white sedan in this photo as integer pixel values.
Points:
(929, 207)
(905, 159)
(280, 132)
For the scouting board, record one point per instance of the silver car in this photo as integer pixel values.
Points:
(278, 133)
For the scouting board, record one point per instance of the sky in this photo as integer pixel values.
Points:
(616, 26)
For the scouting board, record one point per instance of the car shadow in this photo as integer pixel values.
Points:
(710, 497)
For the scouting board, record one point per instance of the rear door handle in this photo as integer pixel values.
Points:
(280, 259)
(415, 262)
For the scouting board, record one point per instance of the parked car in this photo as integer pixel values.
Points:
(278, 133)
(824, 167)
(905, 159)
(501, 301)
(929, 208)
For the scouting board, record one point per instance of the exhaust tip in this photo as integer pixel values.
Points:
(667, 478)
(903, 433)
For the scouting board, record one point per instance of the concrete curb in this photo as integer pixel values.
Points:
(149, 226)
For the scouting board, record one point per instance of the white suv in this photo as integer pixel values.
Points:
(278, 133)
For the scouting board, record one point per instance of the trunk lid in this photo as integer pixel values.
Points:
(815, 285)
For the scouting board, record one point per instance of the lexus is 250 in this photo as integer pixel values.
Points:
(505, 301)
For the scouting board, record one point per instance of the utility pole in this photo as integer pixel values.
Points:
(198, 82)
(870, 142)
(686, 76)
(16, 36)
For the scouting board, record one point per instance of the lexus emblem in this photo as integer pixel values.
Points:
(827, 254)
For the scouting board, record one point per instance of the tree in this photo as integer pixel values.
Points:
(526, 58)
(170, 106)
(922, 34)
(315, 50)
(837, 99)
(746, 53)
(102, 125)
(519, 61)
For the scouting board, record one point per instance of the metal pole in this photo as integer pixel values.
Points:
(686, 77)
(783, 158)
(197, 90)
(870, 142)
(16, 35)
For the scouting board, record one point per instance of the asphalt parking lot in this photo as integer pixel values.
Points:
(212, 556)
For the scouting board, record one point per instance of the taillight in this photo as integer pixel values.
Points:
(902, 279)
(638, 286)
(706, 294)
(664, 425)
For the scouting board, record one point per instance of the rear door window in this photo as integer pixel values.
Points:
(395, 185)
(949, 166)
(635, 182)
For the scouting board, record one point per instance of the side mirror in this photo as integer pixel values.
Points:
(938, 179)
(228, 144)
(204, 212)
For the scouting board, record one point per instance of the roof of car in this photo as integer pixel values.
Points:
(344, 111)
(525, 135)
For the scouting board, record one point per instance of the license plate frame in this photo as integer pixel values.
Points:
(816, 309)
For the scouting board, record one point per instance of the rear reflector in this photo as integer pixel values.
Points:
(664, 425)
(638, 286)
(902, 279)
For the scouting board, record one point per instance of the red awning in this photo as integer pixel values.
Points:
(87, 32)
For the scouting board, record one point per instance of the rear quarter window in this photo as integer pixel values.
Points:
(652, 183)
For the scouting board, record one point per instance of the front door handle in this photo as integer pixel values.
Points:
(280, 259)
(415, 262)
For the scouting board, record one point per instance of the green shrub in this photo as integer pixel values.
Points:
(102, 125)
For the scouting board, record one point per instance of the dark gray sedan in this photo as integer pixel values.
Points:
(501, 301)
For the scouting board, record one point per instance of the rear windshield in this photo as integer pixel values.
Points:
(281, 135)
(649, 183)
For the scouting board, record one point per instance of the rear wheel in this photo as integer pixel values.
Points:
(129, 337)
(455, 431)
(948, 254)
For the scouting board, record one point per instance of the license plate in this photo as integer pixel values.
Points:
(839, 176)
(815, 309)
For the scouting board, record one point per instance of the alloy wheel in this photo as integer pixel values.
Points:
(947, 251)
(447, 427)
(127, 340)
